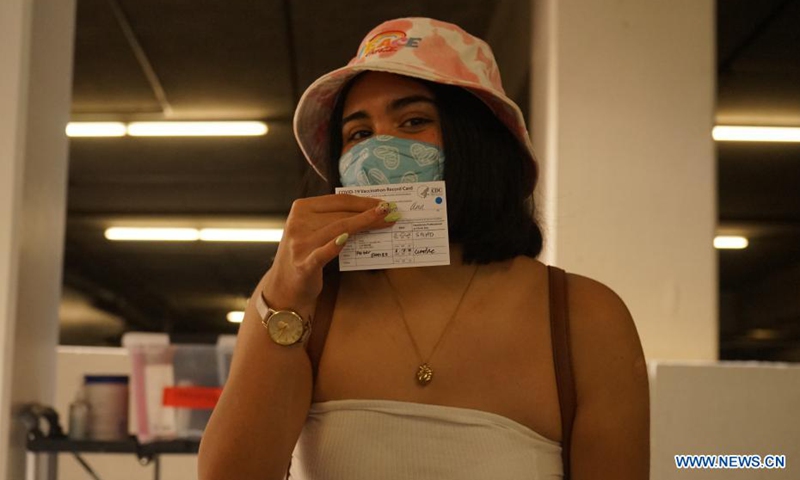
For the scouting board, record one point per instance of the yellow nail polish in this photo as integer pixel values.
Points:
(341, 239)
(392, 206)
(392, 217)
(383, 207)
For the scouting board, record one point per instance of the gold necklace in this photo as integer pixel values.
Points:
(424, 371)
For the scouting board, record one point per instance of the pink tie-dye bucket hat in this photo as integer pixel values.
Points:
(415, 47)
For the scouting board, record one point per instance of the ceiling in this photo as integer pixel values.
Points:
(247, 59)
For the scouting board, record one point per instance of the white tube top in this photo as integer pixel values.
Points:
(387, 440)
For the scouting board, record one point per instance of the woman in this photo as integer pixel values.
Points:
(433, 372)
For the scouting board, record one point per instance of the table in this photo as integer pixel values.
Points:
(42, 452)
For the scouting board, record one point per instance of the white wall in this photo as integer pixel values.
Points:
(14, 30)
(724, 408)
(622, 109)
(36, 38)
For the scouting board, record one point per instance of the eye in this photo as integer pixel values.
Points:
(358, 135)
(416, 122)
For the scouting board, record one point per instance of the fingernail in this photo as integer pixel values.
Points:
(382, 208)
(392, 217)
(392, 206)
(341, 239)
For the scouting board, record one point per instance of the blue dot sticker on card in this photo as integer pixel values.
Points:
(438, 200)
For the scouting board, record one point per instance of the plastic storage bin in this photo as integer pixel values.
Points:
(174, 387)
(225, 346)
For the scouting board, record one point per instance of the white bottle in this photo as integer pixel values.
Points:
(79, 416)
(108, 400)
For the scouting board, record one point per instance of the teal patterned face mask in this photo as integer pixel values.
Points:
(385, 159)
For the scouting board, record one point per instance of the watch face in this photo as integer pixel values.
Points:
(285, 328)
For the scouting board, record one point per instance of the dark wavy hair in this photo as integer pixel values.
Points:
(490, 177)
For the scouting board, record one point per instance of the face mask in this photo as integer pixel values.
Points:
(385, 159)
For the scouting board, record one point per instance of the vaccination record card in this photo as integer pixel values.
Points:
(418, 239)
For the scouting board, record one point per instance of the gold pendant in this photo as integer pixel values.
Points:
(424, 374)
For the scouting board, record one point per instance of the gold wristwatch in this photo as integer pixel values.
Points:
(285, 327)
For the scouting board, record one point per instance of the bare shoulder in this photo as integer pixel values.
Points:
(605, 341)
(611, 433)
(590, 296)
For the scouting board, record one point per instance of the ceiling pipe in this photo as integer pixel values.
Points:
(726, 64)
(141, 57)
(304, 168)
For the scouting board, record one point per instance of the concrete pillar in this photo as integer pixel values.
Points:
(622, 108)
(36, 41)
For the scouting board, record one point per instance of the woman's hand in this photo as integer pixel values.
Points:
(265, 373)
(316, 231)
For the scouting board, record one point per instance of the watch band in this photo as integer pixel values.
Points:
(261, 307)
(266, 313)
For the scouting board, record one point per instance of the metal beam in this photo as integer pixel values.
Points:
(141, 57)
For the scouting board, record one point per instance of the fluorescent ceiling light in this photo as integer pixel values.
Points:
(730, 242)
(235, 317)
(196, 129)
(153, 234)
(193, 234)
(241, 234)
(96, 129)
(166, 129)
(723, 133)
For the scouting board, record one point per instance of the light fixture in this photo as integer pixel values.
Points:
(152, 234)
(235, 316)
(724, 242)
(763, 334)
(196, 129)
(166, 129)
(241, 234)
(194, 234)
(726, 133)
(96, 129)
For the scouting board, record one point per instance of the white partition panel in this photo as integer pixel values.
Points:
(724, 408)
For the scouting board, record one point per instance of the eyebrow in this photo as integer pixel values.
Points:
(395, 105)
